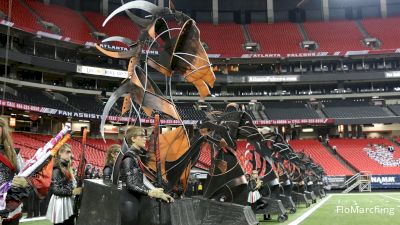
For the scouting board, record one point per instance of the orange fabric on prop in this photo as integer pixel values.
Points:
(41, 181)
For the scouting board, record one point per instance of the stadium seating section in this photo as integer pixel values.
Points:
(352, 150)
(21, 17)
(320, 155)
(351, 109)
(70, 22)
(335, 36)
(395, 109)
(386, 30)
(289, 110)
(279, 38)
(225, 38)
(188, 110)
(118, 26)
(95, 148)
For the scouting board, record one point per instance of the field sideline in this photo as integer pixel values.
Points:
(338, 209)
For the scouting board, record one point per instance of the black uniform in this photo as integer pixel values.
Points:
(62, 186)
(14, 195)
(252, 185)
(134, 189)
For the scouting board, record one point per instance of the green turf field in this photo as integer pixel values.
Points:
(363, 208)
(374, 208)
(43, 222)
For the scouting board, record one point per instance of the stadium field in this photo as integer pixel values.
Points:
(338, 209)
(349, 209)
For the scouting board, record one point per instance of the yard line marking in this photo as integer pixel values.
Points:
(397, 199)
(32, 219)
(355, 194)
(309, 212)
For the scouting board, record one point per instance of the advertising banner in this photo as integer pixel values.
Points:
(89, 116)
(336, 181)
(385, 181)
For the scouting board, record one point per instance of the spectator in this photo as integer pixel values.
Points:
(87, 171)
(92, 173)
(112, 153)
(382, 155)
(97, 174)
(334, 149)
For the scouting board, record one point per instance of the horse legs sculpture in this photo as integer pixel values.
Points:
(239, 125)
(300, 176)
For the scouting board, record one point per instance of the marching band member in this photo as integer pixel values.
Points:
(60, 209)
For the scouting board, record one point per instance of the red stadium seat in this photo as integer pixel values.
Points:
(335, 36)
(69, 21)
(118, 26)
(21, 17)
(279, 38)
(352, 150)
(29, 143)
(386, 30)
(224, 38)
(320, 155)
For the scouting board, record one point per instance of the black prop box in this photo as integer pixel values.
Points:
(100, 206)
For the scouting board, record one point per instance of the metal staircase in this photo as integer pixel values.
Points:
(365, 182)
(361, 180)
(349, 181)
(351, 187)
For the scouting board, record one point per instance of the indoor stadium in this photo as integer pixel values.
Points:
(212, 112)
